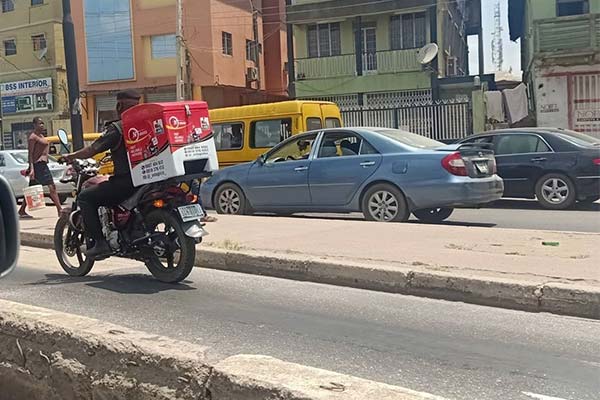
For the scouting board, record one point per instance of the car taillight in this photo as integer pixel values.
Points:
(494, 167)
(596, 161)
(454, 164)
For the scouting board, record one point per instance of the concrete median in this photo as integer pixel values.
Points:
(50, 355)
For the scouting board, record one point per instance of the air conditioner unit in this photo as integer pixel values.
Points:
(452, 66)
(252, 74)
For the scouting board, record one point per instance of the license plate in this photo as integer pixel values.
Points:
(192, 212)
(482, 167)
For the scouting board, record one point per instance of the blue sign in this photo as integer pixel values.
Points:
(9, 105)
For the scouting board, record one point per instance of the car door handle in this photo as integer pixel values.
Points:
(538, 159)
(367, 164)
(300, 169)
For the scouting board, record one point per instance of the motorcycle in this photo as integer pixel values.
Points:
(159, 225)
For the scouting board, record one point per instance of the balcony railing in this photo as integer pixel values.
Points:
(380, 62)
(397, 61)
(567, 34)
(326, 67)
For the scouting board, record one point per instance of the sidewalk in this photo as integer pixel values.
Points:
(509, 268)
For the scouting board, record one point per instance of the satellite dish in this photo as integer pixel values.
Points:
(41, 54)
(427, 53)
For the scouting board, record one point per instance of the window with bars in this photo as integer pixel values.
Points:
(250, 50)
(10, 47)
(572, 7)
(227, 41)
(324, 40)
(8, 5)
(408, 31)
(39, 42)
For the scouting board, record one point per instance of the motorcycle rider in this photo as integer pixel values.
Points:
(118, 188)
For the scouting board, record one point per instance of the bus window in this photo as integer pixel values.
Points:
(229, 136)
(266, 134)
(332, 123)
(312, 124)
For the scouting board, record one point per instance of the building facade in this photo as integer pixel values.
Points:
(32, 69)
(367, 54)
(131, 44)
(560, 53)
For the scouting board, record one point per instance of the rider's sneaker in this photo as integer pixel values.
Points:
(100, 249)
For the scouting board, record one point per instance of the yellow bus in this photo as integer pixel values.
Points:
(103, 159)
(243, 133)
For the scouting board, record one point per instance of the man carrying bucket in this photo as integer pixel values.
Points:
(38, 171)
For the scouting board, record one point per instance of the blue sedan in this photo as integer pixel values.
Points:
(386, 174)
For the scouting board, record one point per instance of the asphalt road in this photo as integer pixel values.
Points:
(450, 349)
(513, 214)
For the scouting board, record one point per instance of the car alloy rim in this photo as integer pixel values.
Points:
(383, 206)
(555, 190)
(229, 201)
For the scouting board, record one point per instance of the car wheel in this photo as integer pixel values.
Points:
(555, 191)
(384, 203)
(433, 215)
(230, 199)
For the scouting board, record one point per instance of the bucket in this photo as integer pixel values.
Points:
(34, 197)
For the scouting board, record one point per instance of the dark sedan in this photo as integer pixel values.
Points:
(556, 166)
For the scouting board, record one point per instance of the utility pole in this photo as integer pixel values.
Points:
(72, 76)
(256, 41)
(181, 55)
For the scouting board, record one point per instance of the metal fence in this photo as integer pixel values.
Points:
(444, 121)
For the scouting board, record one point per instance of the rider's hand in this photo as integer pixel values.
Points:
(66, 158)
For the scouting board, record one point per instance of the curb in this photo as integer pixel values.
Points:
(557, 298)
(51, 355)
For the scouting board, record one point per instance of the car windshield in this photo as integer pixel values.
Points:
(409, 138)
(579, 138)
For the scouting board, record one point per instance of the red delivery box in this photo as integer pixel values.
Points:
(165, 140)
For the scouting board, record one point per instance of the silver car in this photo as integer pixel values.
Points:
(12, 162)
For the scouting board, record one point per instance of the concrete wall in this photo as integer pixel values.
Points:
(47, 355)
(554, 95)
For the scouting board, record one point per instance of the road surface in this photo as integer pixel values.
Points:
(513, 214)
(455, 350)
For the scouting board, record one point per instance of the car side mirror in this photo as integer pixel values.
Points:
(63, 137)
(9, 229)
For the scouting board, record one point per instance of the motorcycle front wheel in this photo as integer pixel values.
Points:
(70, 247)
(173, 253)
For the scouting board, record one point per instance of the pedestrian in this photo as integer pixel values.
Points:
(38, 171)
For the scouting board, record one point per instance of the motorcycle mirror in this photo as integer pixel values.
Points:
(63, 137)
(9, 229)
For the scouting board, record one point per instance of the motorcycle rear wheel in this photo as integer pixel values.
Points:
(163, 221)
(83, 265)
